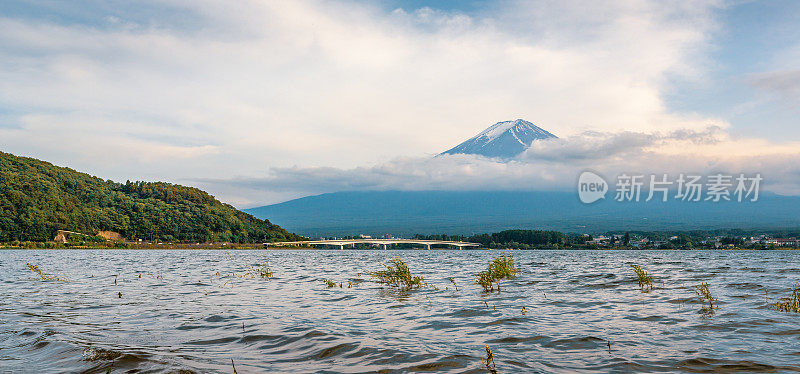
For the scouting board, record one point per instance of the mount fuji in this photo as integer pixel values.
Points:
(505, 140)
(463, 212)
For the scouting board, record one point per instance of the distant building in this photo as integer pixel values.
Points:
(61, 237)
(110, 235)
(783, 242)
(660, 243)
(599, 240)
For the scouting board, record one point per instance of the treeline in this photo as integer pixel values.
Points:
(37, 199)
(522, 239)
(539, 239)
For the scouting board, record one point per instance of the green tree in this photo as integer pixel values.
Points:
(37, 199)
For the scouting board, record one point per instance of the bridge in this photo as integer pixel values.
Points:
(341, 243)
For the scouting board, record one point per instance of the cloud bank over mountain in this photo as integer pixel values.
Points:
(552, 164)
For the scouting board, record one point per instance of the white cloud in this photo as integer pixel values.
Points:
(333, 92)
(345, 75)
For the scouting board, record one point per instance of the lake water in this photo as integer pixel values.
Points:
(583, 312)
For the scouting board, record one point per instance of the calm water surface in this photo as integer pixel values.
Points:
(187, 313)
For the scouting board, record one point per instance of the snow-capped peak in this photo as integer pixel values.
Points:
(519, 126)
(503, 139)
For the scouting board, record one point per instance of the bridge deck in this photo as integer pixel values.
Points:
(383, 242)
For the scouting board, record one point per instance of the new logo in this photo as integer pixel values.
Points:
(591, 187)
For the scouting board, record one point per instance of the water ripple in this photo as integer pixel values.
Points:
(198, 311)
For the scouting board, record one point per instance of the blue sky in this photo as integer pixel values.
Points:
(754, 37)
(246, 100)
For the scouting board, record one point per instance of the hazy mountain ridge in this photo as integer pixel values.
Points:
(467, 212)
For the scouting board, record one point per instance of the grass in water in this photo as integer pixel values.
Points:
(790, 304)
(398, 275)
(329, 283)
(453, 281)
(645, 280)
(704, 292)
(44, 276)
(485, 279)
(490, 360)
(263, 271)
(500, 268)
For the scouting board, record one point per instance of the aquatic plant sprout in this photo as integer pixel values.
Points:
(489, 361)
(704, 292)
(44, 276)
(398, 275)
(501, 267)
(645, 280)
(263, 272)
(485, 279)
(453, 281)
(790, 304)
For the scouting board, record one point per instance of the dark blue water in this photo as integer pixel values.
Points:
(196, 311)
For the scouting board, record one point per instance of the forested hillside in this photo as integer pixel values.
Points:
(37, 199)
